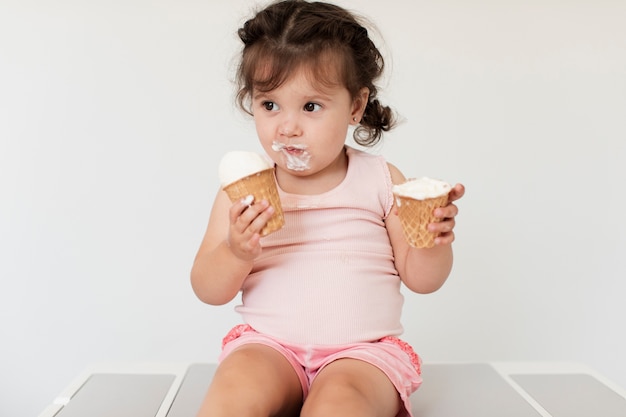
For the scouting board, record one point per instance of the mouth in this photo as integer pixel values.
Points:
(296, 156)
(277, 146)
(292, 150)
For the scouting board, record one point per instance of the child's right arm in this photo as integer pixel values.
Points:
(228, 249)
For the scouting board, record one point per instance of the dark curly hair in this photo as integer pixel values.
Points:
(292, 34)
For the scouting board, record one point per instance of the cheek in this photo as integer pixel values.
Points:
(337, 130)
(263, 129)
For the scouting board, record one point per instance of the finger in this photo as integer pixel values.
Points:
(254, 243)
(447, 212)
(456, 192)
(239, 207)
(445, 226)
(445, 239)
(249, 238)
(259, 222)
(249, 214)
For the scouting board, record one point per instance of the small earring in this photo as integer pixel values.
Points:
(354, 119)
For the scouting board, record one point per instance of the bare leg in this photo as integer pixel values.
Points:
(350, 387)
(254, 380)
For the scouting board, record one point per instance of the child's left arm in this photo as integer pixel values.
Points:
(424, 270)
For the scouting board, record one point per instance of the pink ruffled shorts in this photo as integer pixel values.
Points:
(391, 355)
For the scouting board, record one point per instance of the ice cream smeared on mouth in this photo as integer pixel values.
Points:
(296, 156)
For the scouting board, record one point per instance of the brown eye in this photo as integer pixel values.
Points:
(269, 105)
(311, 107)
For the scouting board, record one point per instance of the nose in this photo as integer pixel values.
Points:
(289, 126)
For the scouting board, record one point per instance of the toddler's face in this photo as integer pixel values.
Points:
(303, 126)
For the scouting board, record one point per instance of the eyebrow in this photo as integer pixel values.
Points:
(260, 94)
(307, 99)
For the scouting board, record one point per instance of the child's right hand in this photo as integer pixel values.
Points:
(246, 222)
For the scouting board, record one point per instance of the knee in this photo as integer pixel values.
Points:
(253, 380)
(335, 399)
(229, 397)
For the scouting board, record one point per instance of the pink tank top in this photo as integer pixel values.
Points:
(328, 277)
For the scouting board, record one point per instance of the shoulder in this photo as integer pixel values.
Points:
(219, 223)
(365, 158)
(397, 177)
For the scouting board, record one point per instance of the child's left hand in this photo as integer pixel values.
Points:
(446, 226)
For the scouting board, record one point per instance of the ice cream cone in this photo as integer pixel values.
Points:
(262, 186)
(415, 215)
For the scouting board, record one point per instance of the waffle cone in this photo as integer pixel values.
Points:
(415, 215)
(262, 186)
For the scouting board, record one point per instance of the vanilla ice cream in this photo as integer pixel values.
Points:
(422, 188)
(249, 177)
(416, 200)
(239, 164)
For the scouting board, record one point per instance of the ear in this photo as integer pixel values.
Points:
(358, 106)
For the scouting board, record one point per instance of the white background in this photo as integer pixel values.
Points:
(114, 114)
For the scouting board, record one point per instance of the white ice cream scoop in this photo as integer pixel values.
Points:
(422, 188)
(239, 164)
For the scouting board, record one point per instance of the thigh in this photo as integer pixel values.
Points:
(254, 379)
(351, 387)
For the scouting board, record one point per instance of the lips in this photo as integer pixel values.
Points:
(278, 146)
(296, 156)
(293, 150)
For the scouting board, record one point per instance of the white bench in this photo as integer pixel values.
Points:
(497, 389)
